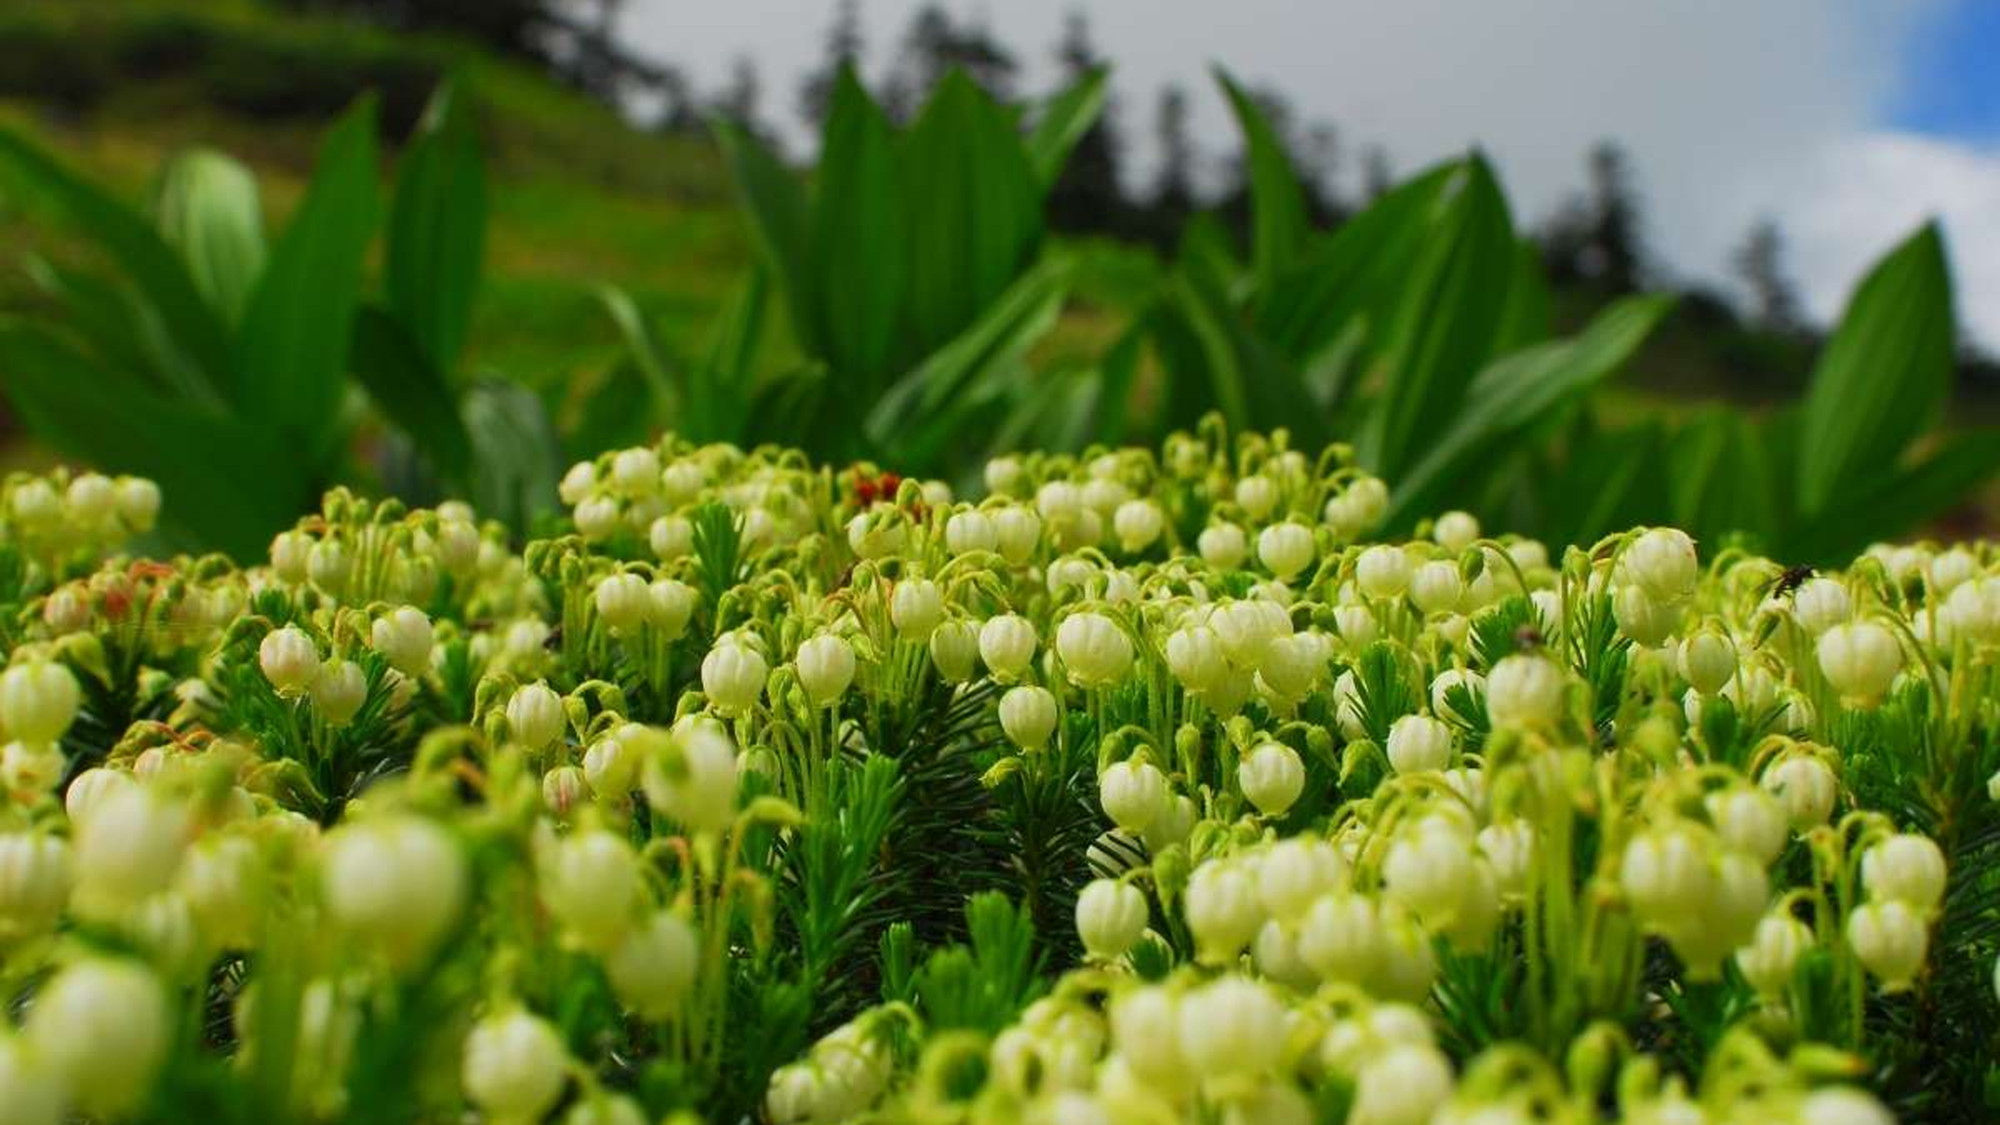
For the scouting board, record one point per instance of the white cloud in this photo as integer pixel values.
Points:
(1728, 110)
(1854, 198)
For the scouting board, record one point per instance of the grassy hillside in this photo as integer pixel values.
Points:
(578, 197)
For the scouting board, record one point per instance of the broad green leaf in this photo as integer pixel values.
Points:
(1525, 320)
(608, 420)
(1515, 393)
(1895, 503)
(208, 209)
(437, 230)
(649, 356)
(778, 212)
(291, 351)
(1884, 376)
(1277, 199)
(728, 369)
(1354, 275)
(903, 419)
(228, 485)
(971, 213)
(516, 459)
(117, 325)
(1445, 323)
(858, 256)
(1610, 479)
(410, 390)
(1234, 370)
(129, 240)
(1064, 120)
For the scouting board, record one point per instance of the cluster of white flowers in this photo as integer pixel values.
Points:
(1387, 830)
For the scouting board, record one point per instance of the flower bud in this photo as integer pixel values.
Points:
(35, 877)
(826, 668)
(31, 1092)
(1007, 645)
(690, 774)
(732, 676)
(515, 1067)
(1427, 869)
(1194, 656)
(1774, 951)
(596, 518)
(1094, 650)
(577, 483)
(1707, 661)
(1455, 531)
(1647, 620)
(1843, 1105)
(1171, 824)
(1662, 561)
(1137, 524)
(1525, 691)
(38, 701)
(1020, 532)
(1436, 587)
(1509, 847)
(1805, 787)
(970, 531)
(1860, 659)
(404, 636)
(1890, 939)
(1133, 793)
(1286, 549)
(90, 499)
(1418, 743)
(916, 608)
(396, 884)
(1750, 821)
(1028, 716)
(669, 605)
(102, 1026)
(1406, 1084)
(535, 715)
(954, 649)
(1231, 1026)
(127, 849)
(654, 966)
(138, 503)
(1272, 777)
(592, 885)
(1110, 917)
(1666, 876)
(1222, 546)
(1382, 572)
(622, 601)
(289, 660)
(339, 691)
(1821, 603)
(1222, 909)
(1908, 868)
(671, 537)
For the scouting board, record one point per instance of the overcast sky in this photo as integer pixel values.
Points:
(1848, 121)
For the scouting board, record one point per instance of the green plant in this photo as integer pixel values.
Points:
(911, 273)
(216, 359)
(1418, 330)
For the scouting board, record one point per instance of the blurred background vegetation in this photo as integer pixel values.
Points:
(643, 273)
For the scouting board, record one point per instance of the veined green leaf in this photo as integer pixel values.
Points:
(1514, 393)
(1249, 381)
(208, 209)
(776, 203)
(410, 390)
(663, 379)
(125, 235)
(291, 351)
(1445, 323)
(437, 230)
(1525, 319)
(971, 213)
(1277, 199)
(1883, 378)
(1354, 276)
(1896, 502)
(858, 254)
(227, 485)
(951, 375)
(723, 380)
(515, 454)
(1064, 120)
